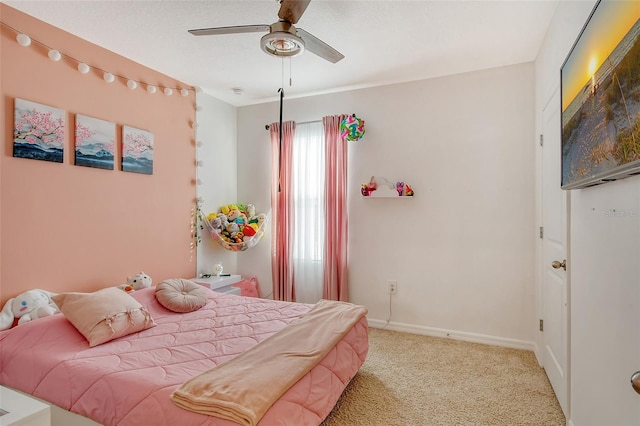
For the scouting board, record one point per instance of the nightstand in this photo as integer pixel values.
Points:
(19, 409)
(220, 284)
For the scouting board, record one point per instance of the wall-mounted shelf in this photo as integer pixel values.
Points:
(379, 187)
(384, 192)
(396, 197)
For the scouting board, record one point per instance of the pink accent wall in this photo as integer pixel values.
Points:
(71, 228)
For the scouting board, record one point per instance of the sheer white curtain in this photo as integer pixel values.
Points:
(308, 176)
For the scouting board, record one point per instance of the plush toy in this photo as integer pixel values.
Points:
(139, 281)
(237, 216)
(368, 188)
(261, 219)
(400, 187)
(126, 288)
(30, 305)
(249, 230)
(216, 224)
(233, 229)
(408, 191)
(251, 211)
(224, 220)
(233, 215)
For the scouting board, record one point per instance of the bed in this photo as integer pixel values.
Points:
(130, 380)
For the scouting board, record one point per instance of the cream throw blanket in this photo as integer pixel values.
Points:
(243, 388)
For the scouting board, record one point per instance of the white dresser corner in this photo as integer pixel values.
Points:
(220, 284)
(22, 410)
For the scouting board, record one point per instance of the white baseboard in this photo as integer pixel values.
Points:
(453, 334)
(536, 351)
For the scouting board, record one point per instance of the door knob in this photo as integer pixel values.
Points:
(557, 265)
(635, 381)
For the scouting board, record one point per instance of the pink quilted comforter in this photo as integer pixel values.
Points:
(128, 381)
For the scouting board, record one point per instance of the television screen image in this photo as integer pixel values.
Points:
(600, 90)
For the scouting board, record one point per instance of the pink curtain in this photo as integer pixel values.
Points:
(335, 286)
(282, 211)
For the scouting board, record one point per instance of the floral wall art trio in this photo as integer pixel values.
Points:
(39, 134)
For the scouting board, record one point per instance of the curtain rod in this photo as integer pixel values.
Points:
(266, 126)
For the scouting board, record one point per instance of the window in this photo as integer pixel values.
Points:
(309, 196)
(308, 182)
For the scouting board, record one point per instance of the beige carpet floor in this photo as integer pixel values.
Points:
(416, 380)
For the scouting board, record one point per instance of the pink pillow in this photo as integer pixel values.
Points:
(180, 295)
(104, 315)
(248, 287)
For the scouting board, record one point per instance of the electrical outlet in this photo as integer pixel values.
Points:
(392, 287)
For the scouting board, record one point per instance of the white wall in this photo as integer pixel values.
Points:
(217, 132)
(563, 30)
(604, 266)
(462, 248)
(605, 296)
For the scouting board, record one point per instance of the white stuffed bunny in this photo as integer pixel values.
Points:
(30, 305)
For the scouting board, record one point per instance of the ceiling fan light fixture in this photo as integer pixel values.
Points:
(284, 39)
(282, 43)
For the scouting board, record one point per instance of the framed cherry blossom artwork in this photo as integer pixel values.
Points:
(137, 150)
(38, 131)
(95, 142)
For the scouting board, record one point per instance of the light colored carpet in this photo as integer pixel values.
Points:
(416, 380)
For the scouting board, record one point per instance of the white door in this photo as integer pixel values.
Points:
(554, 279)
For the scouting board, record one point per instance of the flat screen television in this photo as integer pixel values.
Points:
(600, 92)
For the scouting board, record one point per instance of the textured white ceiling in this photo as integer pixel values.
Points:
(384, 41)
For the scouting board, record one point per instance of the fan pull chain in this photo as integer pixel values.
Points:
(290, 79)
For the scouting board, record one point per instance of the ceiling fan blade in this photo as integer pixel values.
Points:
(319, 47)
(231, 30)
(292, 10)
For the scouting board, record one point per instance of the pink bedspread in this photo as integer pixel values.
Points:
(128, 381)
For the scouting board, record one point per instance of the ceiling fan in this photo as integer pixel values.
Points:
(282, 39)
